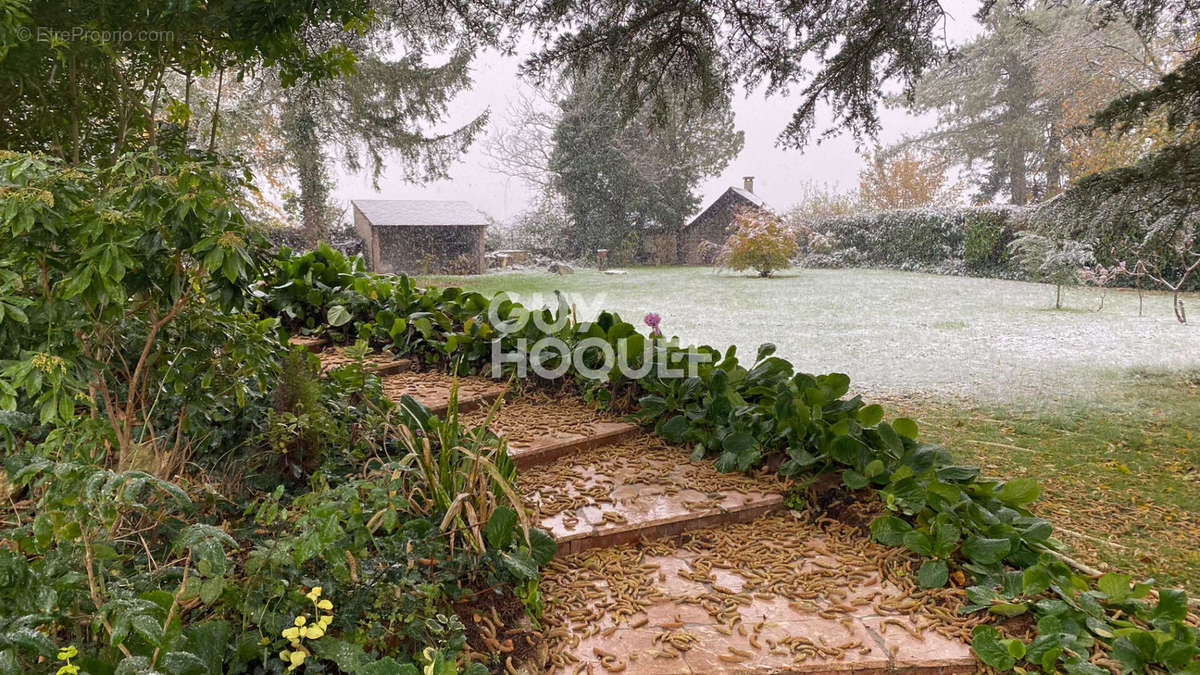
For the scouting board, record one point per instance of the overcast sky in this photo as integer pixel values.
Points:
(777, 171)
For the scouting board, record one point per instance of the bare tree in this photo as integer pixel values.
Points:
(1189, 262)
(522, 147)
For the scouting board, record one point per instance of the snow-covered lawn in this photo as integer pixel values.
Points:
(894, 332)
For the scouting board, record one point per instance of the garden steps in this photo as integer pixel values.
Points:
(433, 390)
(312, 344)
(378, 363)
(654, 548)
(777, 595)
(539, 428)
(640, 487)
(562, 444)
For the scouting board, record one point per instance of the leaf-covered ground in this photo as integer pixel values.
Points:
(1102, 407)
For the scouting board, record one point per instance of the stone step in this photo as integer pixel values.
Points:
(540, 428)
(312, 344)
(552, 447)
(433, 390)
(379, 363)
(781, 594)
(641, 487)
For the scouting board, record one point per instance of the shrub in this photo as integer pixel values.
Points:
(132, 303)
(709, 252)
(112, 282)
(948, 240)
(1051, 260)
(758, 240)
(299, 426)
(986, 236)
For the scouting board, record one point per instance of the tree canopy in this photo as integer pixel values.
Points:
(645, 47)
(621, 178)
(903, 181)
(84, 97)
(1015, 104)
(83, 79)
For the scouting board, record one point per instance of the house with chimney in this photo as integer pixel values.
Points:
(712, 225)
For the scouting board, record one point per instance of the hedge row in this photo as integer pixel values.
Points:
(946, 240)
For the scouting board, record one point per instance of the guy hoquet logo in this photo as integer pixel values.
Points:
(551, 357)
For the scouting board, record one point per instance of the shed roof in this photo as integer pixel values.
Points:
(419, 212)
(755, 199)
(736, 192)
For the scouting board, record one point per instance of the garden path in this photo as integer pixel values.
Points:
(668, 566)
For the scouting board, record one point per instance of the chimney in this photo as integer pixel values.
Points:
(748, 183)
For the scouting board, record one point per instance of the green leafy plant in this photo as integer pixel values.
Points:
(134, 287)
(986, 235)
(299, 427)
(105, 270)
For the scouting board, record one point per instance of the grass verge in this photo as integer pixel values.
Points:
(1120, 480)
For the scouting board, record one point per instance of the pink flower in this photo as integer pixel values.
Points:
(652, 320)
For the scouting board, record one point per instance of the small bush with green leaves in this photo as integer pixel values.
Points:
(986, 235)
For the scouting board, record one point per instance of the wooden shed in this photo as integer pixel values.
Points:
(421, 236)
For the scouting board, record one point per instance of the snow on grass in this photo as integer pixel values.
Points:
(893, 332)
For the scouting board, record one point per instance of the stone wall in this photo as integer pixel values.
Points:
(660, 248)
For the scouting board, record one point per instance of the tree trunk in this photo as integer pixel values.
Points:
(153, 112)
(1058, 296)
(1053, 162)
(1018, 95)
(307, 159)
(212, 133)
(75, 141)
(187, 103)
(1018, 183)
